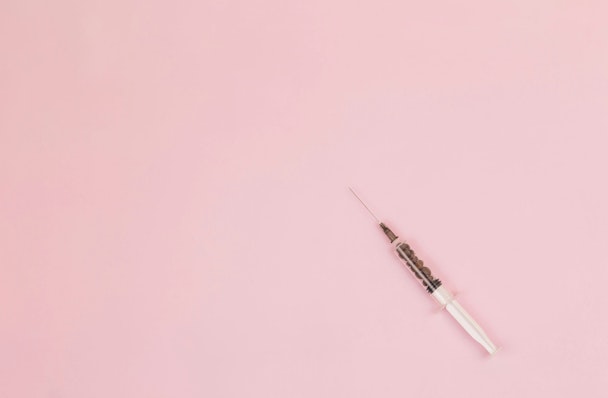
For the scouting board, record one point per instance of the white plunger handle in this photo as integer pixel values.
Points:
(447, 301)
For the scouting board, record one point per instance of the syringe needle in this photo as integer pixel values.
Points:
(364, 205)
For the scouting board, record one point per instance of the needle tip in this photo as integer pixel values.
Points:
(364, 205)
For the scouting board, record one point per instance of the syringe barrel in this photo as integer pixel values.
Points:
(416, 266)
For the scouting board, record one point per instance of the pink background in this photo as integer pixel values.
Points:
(175, 219)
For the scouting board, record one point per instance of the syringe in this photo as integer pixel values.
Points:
(434, 286)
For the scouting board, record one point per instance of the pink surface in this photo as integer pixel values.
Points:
(175, 220)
